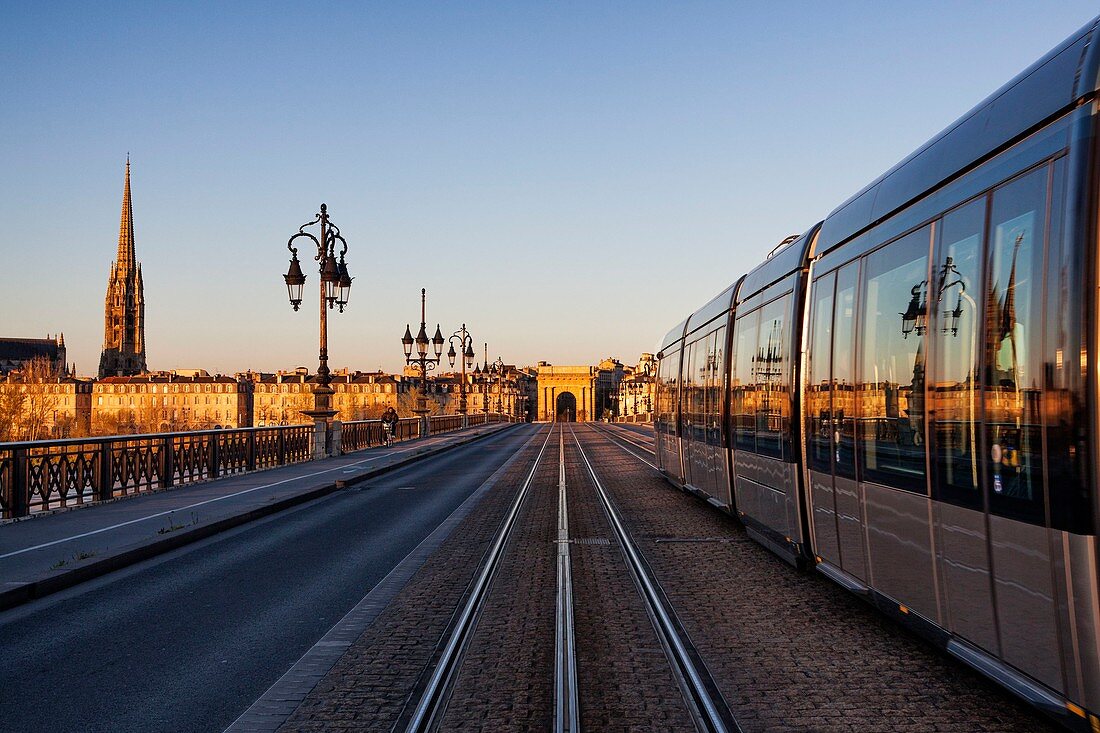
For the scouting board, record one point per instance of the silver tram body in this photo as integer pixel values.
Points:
(905, 397)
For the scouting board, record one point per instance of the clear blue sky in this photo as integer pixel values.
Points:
(570, 179)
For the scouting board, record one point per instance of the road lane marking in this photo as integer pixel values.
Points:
(196, 504)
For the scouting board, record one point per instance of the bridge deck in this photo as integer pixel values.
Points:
(343, 608)
(44, 553)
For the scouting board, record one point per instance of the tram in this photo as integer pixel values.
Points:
(905, 397)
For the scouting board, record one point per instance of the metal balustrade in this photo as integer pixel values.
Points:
(36, 476)
(52, 474)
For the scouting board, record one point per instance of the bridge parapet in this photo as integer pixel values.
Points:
(38, 476)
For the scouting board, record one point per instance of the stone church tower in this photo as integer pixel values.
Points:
(124, 308)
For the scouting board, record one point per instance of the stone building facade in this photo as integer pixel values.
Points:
(36, 408)
(636, 392)
(166, 402)
(124, 306)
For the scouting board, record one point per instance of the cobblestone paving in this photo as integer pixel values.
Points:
(625, 680)
(506, 681)
(368, 688)
(792, 651)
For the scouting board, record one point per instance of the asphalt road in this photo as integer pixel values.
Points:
(187, 641)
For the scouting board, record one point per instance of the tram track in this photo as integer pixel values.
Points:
(687, 681)
(618, 440)
(626, 436)
(566, 693)
(706, 705)
(432, 702)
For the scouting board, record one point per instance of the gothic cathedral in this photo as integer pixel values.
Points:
(124, 308)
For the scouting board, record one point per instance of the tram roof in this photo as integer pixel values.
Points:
(671, 337)
(718, 305)
(782, 262)
(1047, 88)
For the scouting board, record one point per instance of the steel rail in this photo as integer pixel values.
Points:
(433, 700)
(618, 441)
(705, 702)
(622, 433)
(566, 698)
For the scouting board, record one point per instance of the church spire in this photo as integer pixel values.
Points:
(124, 305)
(126, 255)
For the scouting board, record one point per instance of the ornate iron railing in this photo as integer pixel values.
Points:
(360, 434)
(52, 474)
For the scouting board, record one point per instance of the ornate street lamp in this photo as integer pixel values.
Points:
(951, 317)
(335, 290)
(915, 317)
(422, 360)
(496, 369)
(466, 346)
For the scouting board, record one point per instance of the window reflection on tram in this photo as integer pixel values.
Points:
(891, 441)
(760, 401)
(771, 373)
(743, 387)
(1013, 376)
(844, 372)
(819, 412)
(955, 399)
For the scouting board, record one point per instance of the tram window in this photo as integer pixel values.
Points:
(1070, 505)
(714, 392)
(891, 389)
(844, 372)
(955, 397)
(668, 372)
(819, 427)
(1013, 352)
(771, 369)
(687, 405)
(742, 388)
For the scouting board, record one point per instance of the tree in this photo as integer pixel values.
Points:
(28, 403)
(406, 403)
(11, 409)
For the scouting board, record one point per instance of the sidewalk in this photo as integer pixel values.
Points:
(40, 555)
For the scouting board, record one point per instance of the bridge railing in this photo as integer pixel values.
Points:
(36, 476)
(52, 474)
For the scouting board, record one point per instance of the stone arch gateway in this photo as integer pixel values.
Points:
(565, 408)
(571, 387)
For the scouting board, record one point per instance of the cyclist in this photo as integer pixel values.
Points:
(389, 425)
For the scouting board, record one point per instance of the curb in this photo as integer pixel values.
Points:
(31, 590)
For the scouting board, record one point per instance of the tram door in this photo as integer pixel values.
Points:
(1022, 561)
(830, 429)
(955, 413)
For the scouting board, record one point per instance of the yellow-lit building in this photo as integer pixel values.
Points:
(40, 408)
(169, 402)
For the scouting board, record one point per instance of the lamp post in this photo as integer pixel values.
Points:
(335, 290)
(466, 347)
(491, 369)
(425, 362)
(496, 369)
(648, 370)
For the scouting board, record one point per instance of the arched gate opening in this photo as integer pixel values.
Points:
(566, 407)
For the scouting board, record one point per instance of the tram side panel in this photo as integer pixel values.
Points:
(954, 394)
